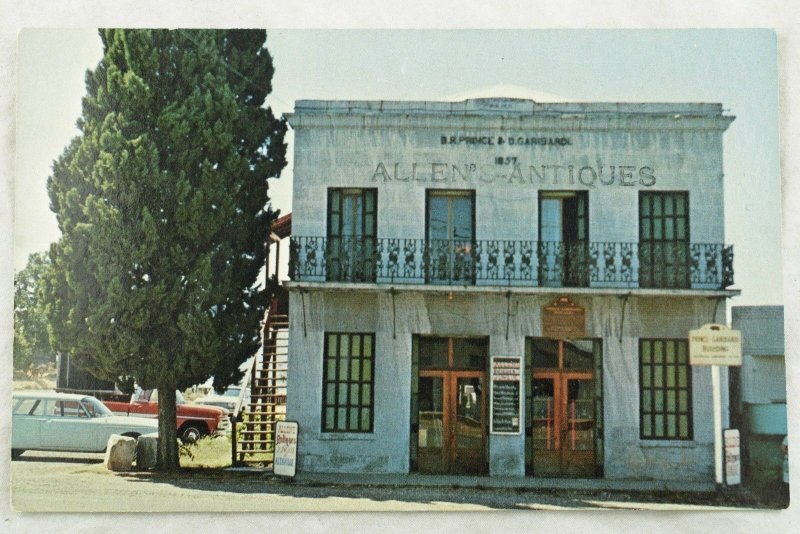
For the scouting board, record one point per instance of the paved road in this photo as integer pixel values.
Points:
(50, 482)
(43, 482)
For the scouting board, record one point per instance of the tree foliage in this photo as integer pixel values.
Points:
(31, 343)
(162, 205)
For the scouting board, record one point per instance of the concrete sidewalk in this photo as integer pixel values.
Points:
(529, 483)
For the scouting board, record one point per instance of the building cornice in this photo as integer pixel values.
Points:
(508, 114)
(521, 124)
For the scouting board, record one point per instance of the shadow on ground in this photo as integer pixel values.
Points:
(261, 483)
(527, 499)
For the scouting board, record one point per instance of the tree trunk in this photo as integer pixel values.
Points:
(167, 433)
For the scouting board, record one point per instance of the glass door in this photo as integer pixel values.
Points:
(451, 233)
(468, 423)
(449, 406)
(577, 441)
(452, 422)
(563, 238)
(351, 248)
(664, 239)
(563, 404)
(431, 452)
(546, 437)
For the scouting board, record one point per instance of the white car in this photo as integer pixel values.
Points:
(226, 400)
(51, 421)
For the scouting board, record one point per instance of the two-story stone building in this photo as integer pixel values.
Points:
(437, 245)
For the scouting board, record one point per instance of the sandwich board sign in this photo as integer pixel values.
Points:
(284, 461)
(715, 344)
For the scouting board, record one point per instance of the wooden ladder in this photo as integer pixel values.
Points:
(254, 431)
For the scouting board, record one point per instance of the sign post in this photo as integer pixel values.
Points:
(717, 393)
(716, 345)
(505, 406)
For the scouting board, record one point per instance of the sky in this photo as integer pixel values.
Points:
(735, 67)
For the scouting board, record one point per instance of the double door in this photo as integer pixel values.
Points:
(563, 424)
(450, 236)
(350, 253)
(563, 409)
(664, 250)
(452, 422)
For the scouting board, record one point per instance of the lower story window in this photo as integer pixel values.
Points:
(347, 382)
(665, 386)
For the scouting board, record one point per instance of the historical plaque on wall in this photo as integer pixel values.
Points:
(563, 319)
(505, 406)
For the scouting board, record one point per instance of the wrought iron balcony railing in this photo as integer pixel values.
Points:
(511, 263)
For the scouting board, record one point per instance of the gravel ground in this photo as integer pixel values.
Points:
(40, 484)
(49, 482)
(69, 484)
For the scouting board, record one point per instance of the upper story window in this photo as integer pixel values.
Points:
(558, 252)
(664, 259)
(564, 238)
(450, 236)
(351, 241)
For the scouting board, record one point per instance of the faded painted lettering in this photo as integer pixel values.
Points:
(512, 171)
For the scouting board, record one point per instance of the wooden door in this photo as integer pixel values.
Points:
(452, 422)
(563, 420)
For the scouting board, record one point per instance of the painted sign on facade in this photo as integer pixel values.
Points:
(506, 400)
(285, 459)
(715, 344)
(733, 458)
(511, 170)
(563, 319)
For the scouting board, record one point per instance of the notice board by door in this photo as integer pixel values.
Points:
(505, 406)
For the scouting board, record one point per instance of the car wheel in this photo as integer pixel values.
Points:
(191, 432)
(16, 453)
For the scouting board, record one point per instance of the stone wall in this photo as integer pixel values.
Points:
(314, 312)
(612, 159)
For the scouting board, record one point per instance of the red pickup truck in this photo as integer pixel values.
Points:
(194, 420)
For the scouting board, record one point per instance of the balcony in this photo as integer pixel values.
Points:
(609, 265)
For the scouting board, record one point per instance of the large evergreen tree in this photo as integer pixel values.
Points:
(162, 205)
(31, 344)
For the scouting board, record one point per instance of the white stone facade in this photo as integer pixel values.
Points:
(405, 149)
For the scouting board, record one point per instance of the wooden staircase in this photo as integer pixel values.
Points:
(254, 419)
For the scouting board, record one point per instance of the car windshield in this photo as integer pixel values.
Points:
(95, 408)
(232, 392)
